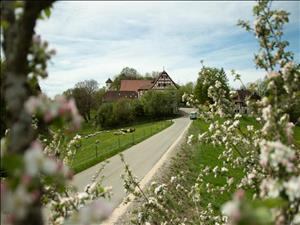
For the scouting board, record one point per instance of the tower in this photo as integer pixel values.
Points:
(108, 83)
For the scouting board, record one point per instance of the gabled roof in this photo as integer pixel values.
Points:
(164, 73)
(134, 85)
(242, 94)
(108, 80)
(146, 86)
(115, 95)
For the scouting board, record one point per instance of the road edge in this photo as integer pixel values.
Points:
(121, 209)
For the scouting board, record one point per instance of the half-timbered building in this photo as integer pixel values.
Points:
(133, 89)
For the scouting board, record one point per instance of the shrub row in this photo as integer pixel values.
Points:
(152, 105)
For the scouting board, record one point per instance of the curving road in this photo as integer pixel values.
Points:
(140, 157)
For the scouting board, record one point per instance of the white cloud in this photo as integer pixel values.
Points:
(95, 40)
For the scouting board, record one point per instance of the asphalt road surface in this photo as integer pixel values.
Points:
(140, 157)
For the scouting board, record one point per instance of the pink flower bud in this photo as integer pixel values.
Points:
(48, 117)
(63, 109)
(239, 194)
(26, 179)
(59, 165)
(10, 219)
(3, 188)
(273, 74)
(36, 39)
(35, 195)
(36, 145)
(70, 175)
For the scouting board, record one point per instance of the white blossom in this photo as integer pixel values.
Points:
(190, 139)
(292, 188)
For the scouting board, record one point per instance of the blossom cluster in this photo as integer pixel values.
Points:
(17, 197)
(49, 110)
(38, 57)
(265, 152)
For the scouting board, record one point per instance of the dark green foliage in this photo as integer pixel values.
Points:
(138, 109)
(123, 112)
(159, 103)
(152, 105)
(207, 77)
(187, 88)
(87, 96)
(104, 116)
(3, 111)
(118, 113)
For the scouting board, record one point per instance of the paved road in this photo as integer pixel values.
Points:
(141, 158)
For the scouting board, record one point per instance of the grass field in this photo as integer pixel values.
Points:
(207, 155)
(106, 144)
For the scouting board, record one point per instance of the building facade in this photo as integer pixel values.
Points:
(240, 99)
(133, 89)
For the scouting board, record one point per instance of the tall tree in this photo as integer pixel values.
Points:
(159, 103)
(85, 94)
(187, 88)
(126, 73)
(207, 77)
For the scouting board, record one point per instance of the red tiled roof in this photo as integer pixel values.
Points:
(146, 86)
(135, 85)
(115, 95)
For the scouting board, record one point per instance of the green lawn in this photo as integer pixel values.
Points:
(194, 158)
(297, 136)
(110, 144)
(207, 155)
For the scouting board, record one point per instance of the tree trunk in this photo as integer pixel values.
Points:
(16, 44)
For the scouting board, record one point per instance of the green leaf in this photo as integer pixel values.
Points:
(19, 4)
(10, 163)
(270, 203)
(4, 24)
(47, 12)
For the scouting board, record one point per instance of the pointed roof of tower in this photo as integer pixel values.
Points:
(108, 81)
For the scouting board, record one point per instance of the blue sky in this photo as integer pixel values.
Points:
(95, 40)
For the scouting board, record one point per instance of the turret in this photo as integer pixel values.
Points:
(108, 83)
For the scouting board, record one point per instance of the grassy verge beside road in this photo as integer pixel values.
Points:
(104, 144)
(192, 159)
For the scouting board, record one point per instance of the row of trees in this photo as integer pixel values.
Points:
(88, 97)
(209, 75)
(152, 105)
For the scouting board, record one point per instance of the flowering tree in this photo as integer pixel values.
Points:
(207, 77)
(32, 174)
(268, 154)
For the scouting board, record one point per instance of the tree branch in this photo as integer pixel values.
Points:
(17, 41)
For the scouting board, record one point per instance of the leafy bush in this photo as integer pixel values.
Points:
(207, 77)
(153, 105)
(159, 103)
(104, 115)
(118, 113)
